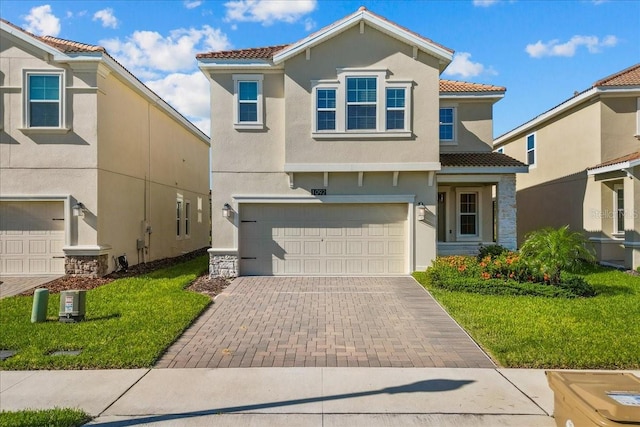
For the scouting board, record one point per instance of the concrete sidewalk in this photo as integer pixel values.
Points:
(289, 396)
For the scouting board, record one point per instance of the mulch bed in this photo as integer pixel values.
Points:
(203, 284)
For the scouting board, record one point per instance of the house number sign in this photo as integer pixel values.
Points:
(318, 191)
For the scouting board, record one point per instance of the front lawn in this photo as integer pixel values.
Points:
(128, 324)
(58, 417)
(601, 332)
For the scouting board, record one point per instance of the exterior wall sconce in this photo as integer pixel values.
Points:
(421, 211)
(78, 209)
(226, 210)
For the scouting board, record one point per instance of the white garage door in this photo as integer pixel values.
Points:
(31, 237)
(323, 239)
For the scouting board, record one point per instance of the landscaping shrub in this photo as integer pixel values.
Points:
(491, 251)
(506, 274)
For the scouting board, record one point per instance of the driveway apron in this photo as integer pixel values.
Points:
(325, 322)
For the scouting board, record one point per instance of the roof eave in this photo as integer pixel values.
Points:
(440, 53)
(483, 169)
(225, 64)
(614, 167)
(494, 96)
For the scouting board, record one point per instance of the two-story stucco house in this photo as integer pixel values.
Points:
(584, 167)
(345, 154)
(93, 164)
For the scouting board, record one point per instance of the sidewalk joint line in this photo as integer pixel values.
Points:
(123, 393)
(527, 396)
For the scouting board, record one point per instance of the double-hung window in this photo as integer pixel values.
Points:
(396, 108)
(44, 99)
(178, 218)
(531, 149)
(361, 103)
(468, 214)
(326, 109)
(248, 101)
(447, 124)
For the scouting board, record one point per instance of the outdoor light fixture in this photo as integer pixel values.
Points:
(78, 209)
(421, 211)
(226, 210)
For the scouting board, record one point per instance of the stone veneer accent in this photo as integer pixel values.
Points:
(507, 224)
(223, 265)
(86, 265)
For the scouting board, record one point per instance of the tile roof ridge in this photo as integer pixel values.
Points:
(604, 81)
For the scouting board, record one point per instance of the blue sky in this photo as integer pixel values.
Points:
(542, 51)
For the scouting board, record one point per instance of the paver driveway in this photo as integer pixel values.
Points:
(324, 321)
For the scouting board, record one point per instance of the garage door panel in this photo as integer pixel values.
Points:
(327, 239)
(32, 237)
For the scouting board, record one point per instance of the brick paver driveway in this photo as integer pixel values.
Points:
(324, 321)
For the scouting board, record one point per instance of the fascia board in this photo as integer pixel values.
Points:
(489, 96)
(483, 170)
(614, 167)
(362, 167)
(222, 64)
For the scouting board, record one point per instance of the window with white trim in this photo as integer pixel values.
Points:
(468, 214)
(44, 99)
(248, 111)
(361, 103)
(531, 149)
(447, 124)
(179, 218)
(187, 218)
(618, 207)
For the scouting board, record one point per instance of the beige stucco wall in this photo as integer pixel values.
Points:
(474, 126)
(618, 117)
(147, 160)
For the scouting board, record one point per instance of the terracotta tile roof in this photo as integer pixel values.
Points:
(478, 160)
(266, 52)
(65, 46)
(456, 86)
(626, 77)
(628, 158)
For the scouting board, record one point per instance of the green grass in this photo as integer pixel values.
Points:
(128, 323)
(602, 332)
(57, 417)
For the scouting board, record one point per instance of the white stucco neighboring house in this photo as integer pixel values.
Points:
(93, 164)
(345, 154)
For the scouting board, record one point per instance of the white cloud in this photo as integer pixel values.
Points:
(554, 48)
(268, 11)
(187, 93)
(148, 54)
(484, 3)
(107, 17)
(192, 4)
(41, 21)
(463, 66)
(309, 24)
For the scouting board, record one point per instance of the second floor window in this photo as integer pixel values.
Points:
(531, 149)
(44, 100)
(447, 117)
(248, 101)
(326, 105)
(361, 103)
(395, 108)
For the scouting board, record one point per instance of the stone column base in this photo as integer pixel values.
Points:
(86, 265)
(223, 263)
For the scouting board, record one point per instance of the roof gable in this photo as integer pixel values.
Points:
(444, 54)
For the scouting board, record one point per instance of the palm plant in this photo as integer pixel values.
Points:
(552, 251)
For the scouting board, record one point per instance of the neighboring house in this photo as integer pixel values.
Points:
(584, 167)
(77, 130)
(345, 154)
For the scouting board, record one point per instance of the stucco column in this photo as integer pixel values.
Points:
(632, 219)
(506, 215)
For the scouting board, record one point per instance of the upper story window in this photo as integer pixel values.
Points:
(447, 123)
(326, 109)
(396, 108)
(248, 101)
(44, 99)
(531, 149)
(361, 103)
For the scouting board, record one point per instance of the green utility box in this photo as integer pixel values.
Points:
(72, 306)
(602, 399)
(39, 308)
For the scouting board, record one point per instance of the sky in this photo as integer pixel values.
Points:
(541, 51)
